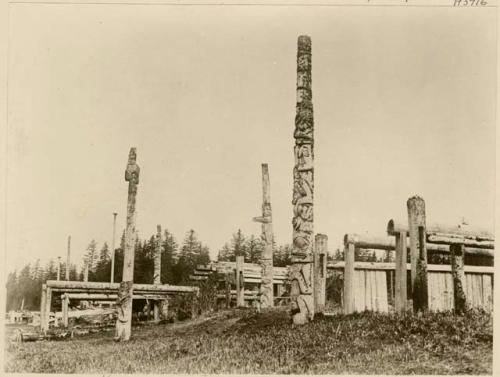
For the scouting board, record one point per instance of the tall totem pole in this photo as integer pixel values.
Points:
(124, 300)
(301, 271)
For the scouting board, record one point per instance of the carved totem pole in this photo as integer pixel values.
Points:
(266, 286)
(301, 271)
(124, 300)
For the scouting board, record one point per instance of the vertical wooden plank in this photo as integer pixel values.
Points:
(393, 286)
(444, 292)
(385, 299)
(228, 290)
(480, 301)
(400, 299)
(320, 252)
(65, 308)
(43, 304)
(468, 289)
(348, 278)
(478, 288)
(358, 291)
(382, 292)
(48, 306)
(473, 290)
(435, 292)
(240, 284)
(450, 289)
(368, 289)
(438, 291)
(457, 271)
(479, 282)
(363, 285)
(355, 292)
(432, 305)
(375, 291)
(487, 292)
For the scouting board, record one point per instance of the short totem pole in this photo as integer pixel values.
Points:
(266, 287)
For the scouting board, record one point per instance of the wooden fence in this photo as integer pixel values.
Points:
(97, 291)
(365, 283)
(239, 282)
(368, 289)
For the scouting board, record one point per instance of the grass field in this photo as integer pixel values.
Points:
(245, 342)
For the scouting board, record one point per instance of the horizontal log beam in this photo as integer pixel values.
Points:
(397, 226)
(389, 243)
(229, 266)
(257, 280)
(451, 240)
(369, 242)
(113, 296)
(391, 266)
(59, 284)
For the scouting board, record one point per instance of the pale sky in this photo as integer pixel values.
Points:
(404, 104)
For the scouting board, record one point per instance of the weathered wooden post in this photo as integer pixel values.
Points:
(125, 292)
(301, 270)
(320, 251)
(240, 282)
(68, 258)
(48, 304)
(113, 249)
(157, 272)
(266, 286)
(86, 270)
(418, 250)
(43, 304)
(228, 290)
(457, 270)
(348, 277)
(400, 297)
(58, 268)
(65, 308)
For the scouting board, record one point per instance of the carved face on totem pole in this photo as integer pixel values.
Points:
(133, 170)
(304, 157)
(304, 122)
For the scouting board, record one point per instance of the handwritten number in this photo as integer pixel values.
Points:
(470, 3)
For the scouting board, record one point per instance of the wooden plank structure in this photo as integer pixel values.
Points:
(248, 289)
(100, 291)
(364, 290)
